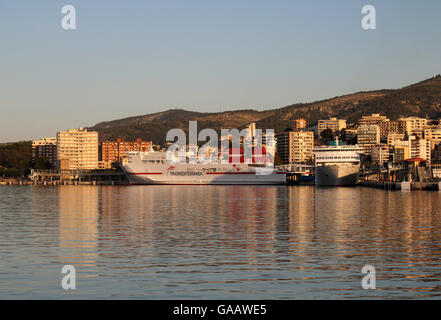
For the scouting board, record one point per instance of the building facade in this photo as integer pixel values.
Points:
(367, 137)
(380, 153)
(299, 124)
(411, 124)
(392, 138)
(400, 153)
(433, 134)
(393, 127)
(333, 124)
(295, 146)
(77, 149)
(420, 148)
(376, 119)
(45, 148)
(113, 151)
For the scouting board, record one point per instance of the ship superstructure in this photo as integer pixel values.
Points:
(337, 165)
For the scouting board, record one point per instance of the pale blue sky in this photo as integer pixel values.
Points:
(137, 57)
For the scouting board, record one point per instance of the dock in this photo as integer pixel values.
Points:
(401, 177)
(77, 177)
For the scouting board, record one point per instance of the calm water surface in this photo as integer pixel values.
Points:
(218, 242)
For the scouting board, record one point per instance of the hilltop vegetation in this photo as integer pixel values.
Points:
(422, 99)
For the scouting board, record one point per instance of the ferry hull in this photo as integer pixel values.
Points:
(220, 179)
(336, 175)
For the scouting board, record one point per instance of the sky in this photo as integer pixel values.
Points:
(129, 58)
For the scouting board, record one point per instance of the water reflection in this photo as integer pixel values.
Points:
(78, 226)
(226, 241)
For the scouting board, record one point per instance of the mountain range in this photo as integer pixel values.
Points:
(422, 99)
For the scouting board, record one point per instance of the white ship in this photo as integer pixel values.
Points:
(337, 165)
(153, 168)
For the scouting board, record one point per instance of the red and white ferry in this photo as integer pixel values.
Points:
(152, 167)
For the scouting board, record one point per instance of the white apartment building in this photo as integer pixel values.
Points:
(77, 149)
(420, 148)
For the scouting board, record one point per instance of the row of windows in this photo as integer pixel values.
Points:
(154, 161)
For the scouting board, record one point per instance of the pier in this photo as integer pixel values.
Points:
(77, 177)
(414, 174)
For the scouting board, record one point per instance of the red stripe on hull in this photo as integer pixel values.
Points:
(143, 173)
(231, 173)
(147, 173)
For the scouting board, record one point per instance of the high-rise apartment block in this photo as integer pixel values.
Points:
(77, 149)
(295, 146)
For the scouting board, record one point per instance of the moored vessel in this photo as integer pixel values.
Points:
(153, 168)
(337, 165)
